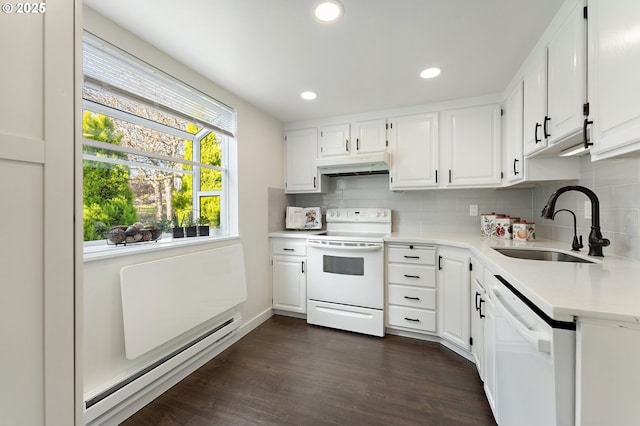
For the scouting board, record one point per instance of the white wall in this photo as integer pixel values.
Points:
(260, 162)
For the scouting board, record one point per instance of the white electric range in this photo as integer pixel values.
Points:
(345, 278)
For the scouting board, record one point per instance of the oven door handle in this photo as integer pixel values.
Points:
(539, 340)
(375, 247)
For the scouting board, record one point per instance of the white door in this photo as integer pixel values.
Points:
(414, 142)
(567, 77)
(453, 295)
(334, 141)
(512, 143)
(369, 136)
(301, 171)
(614, 67)
(535, 105)
(471, 146)
(290, 283)
(37, 152)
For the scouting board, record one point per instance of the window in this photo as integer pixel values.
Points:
(155, 150)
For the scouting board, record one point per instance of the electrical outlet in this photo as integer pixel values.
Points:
(587, 209)
(473, 210)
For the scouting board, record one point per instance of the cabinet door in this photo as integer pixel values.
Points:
(334, 141)
(300, 162)
(369, 136)
(489, 351)
(289, 283)
(453, 295)
(478, 313)
(614, 67)
(512, 143)
(567, 77)
(471, 146)
(535, 105)
(414, 141)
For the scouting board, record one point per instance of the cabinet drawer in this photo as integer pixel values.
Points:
(418, 319)
(418, 255)
(416, 297)
(424, 276)
(289, 246)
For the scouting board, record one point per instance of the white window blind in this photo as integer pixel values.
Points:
(116, 71)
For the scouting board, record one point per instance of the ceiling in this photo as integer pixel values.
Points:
(269, 51)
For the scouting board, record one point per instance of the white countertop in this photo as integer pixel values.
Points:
(609, 289)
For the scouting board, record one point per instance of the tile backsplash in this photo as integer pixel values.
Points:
(422, 211)
(616, 183)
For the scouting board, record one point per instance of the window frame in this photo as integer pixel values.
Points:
(227, 228)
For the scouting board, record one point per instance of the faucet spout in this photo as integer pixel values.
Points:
(596, 241)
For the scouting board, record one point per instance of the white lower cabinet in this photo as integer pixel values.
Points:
(411, 287)
(607, 373)
(453, 295)
(478, 314)
(489, 353)
(289, 277)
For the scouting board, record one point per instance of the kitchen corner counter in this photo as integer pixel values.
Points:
(609, 289)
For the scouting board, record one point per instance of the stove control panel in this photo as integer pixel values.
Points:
(359, 215)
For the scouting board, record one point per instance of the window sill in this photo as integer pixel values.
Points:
(99, 251)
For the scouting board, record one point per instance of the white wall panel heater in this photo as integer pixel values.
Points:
(165, 298)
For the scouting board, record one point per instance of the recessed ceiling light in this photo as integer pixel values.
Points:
(328, 11)
(430, 73)
(308, 96)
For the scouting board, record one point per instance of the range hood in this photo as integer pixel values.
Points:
(360, 164)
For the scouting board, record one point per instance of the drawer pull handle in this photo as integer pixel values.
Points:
(412, 319)
(411, 257)
(288, 249)
(412, 298)
(412, 276)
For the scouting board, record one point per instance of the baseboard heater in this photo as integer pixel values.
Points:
(130, 389)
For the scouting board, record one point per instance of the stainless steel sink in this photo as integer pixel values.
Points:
(540, 254)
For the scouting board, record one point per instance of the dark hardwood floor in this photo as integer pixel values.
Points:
(286, 372)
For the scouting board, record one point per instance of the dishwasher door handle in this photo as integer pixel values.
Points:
(540, 341)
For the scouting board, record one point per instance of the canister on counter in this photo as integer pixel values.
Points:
(504, 227)
(524, 231)
(488, 224)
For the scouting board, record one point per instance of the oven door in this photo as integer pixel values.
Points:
(349, 273)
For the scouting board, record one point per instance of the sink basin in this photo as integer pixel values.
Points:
(540, 254)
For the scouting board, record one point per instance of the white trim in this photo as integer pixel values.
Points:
(19, 148)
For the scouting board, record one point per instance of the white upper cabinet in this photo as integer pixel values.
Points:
(566, 78)
(555, 88)
(334, 141)
(361, 137)
(414, 146)
(470, 146)
(301, 173)
(535, 105)
(369, 136)
(614, 70)
(512, 143)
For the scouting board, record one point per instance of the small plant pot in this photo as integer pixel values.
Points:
(191, 231)
(203, 230)
(178, 232)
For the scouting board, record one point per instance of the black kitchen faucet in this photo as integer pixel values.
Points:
(596, 241)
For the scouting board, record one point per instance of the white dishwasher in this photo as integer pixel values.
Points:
(534, 361)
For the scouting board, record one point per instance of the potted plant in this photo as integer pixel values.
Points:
(203, 226)
(177, 230)
(190, 228)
